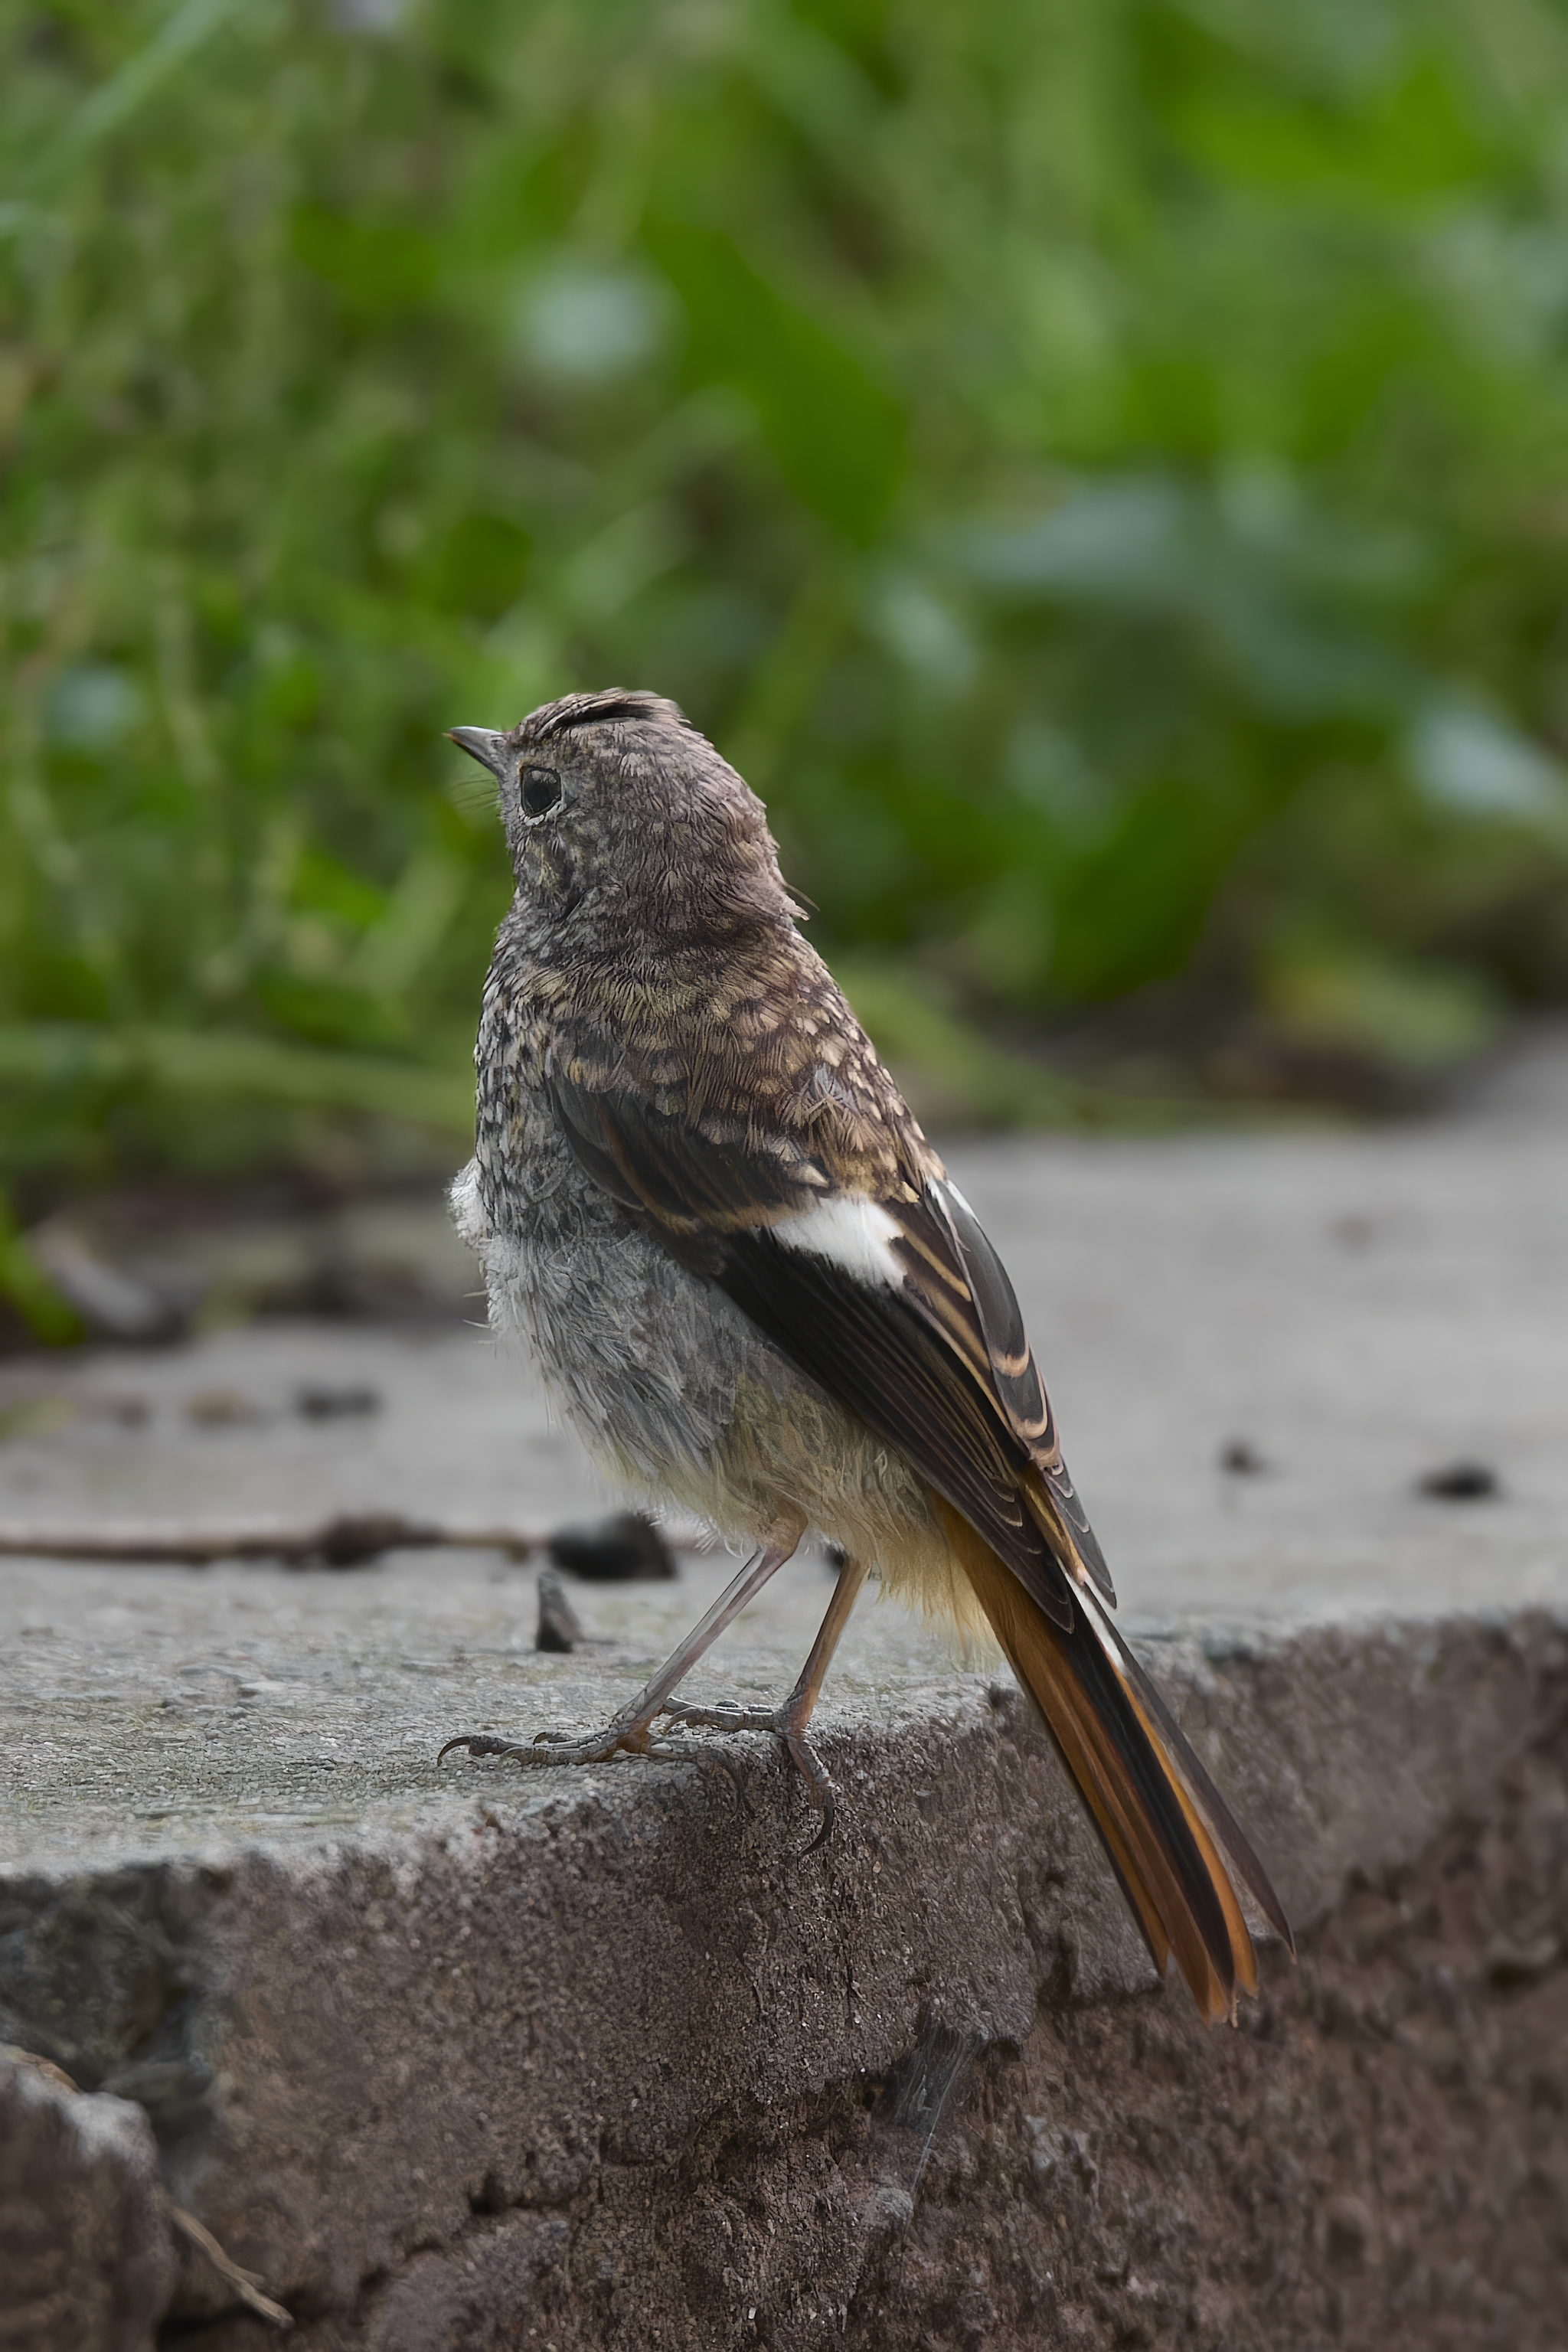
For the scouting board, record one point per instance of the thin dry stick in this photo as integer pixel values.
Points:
(245, 2283)
(341, 1541)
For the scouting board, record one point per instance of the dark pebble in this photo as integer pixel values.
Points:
(333, 1404)
(1461, 1482)
(619, 1550)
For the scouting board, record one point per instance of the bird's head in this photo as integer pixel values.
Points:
(617, 811)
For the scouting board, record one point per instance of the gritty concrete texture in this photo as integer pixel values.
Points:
(467, 2057)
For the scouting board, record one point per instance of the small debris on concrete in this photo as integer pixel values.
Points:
(1239, 1458)
(559, 1627)
(220, 1409)
(1461, 1482)
(341, 1540)
(322, 1403)
(121, 1405)
(624, 1549)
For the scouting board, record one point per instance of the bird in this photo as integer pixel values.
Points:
(751, 1286)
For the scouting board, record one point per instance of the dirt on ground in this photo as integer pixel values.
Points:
(1377, 2156)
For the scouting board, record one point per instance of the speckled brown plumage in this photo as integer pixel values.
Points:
(669, 962)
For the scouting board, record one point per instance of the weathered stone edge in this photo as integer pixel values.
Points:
(351, 2055)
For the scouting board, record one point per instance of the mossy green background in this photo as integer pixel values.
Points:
(1100, 467)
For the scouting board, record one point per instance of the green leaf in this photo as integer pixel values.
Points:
(482, 566)
(380, 267)
(838, 433)
(192, 1063)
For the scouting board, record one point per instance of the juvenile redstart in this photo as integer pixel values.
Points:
(752, 1288)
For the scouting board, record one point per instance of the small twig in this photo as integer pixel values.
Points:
(245, 2283)
(342, 1541)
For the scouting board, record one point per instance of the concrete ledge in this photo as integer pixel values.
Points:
(470, 2041)
(592, 2063)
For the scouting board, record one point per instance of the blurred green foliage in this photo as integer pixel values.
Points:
(1100, 467)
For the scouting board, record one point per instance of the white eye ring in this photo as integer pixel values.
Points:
(539, 792)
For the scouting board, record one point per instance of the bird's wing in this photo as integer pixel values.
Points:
(835, 1229)
(815, 1201)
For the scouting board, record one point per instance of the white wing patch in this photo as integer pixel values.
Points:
(468, 1209)
(855, 1235)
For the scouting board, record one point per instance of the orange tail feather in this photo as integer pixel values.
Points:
(1169, 1835)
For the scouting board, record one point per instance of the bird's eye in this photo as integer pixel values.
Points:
(541, 790)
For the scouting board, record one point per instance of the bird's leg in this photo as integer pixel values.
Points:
(788, 1723)
(630, 1729)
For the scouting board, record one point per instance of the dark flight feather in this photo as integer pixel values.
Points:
(973, 1403)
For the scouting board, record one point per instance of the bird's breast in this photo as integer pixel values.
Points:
(645, 1357)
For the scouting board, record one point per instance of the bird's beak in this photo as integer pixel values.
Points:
(482, 744)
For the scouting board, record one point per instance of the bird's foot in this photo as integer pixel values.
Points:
(622, 1735)
(633, 1735)
(786, 1724)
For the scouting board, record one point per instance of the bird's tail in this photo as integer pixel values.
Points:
(1179, 1855)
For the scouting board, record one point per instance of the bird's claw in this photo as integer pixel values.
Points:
(557, 1746)
(629, 1738)
(477, 1743)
